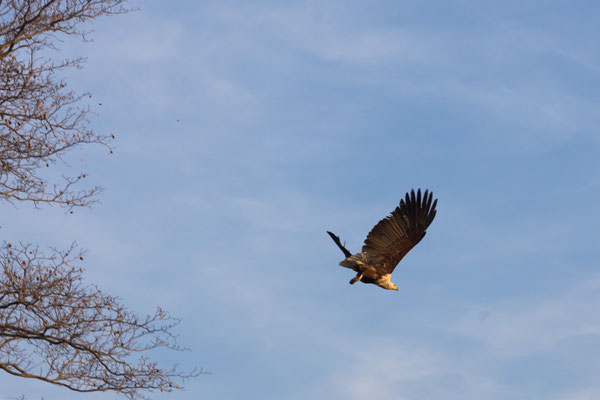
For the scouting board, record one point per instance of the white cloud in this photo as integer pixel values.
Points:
(581, 394)
(384, 369)
(516, 329)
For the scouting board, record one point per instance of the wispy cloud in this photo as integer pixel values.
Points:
(517, 329)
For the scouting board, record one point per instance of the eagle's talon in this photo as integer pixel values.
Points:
(355, 279)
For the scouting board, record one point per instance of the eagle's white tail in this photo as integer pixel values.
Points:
(357, 262)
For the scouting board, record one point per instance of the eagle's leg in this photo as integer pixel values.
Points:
(357, 278)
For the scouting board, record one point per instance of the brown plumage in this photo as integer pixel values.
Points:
(390, 240)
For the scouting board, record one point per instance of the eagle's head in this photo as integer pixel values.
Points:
(387, 284)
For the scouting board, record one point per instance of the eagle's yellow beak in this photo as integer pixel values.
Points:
(395, 288)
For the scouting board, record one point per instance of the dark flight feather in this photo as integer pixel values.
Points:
(395, 235)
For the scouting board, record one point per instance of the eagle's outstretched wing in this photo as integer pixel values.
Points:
(394, 236)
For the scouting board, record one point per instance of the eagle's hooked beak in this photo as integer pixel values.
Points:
(395, 288)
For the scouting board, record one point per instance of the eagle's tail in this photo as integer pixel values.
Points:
(339, 244)
(357, 262)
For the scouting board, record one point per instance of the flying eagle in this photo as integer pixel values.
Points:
(390, 240)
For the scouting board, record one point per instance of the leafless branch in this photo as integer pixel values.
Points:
(53, 327)
(40, 118)
(58, 330)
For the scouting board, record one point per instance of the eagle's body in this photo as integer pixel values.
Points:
(390, 240)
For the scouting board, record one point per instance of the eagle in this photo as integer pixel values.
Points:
(390, 240)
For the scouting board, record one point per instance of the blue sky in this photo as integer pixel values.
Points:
(245, 130)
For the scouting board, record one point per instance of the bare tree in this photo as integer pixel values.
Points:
(52, 326)
(40, 119)
(56, 329)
